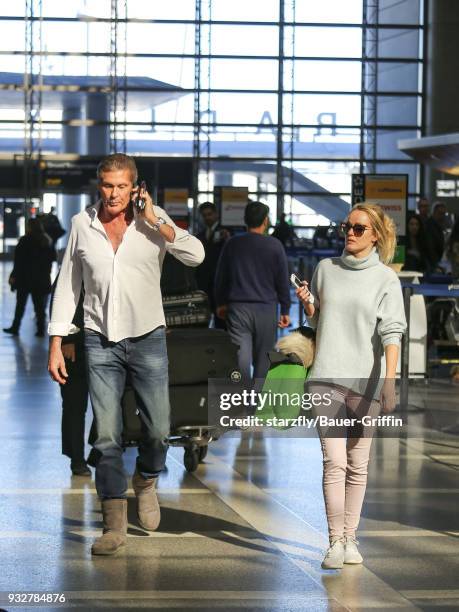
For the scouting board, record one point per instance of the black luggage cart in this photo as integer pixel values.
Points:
(195, 355)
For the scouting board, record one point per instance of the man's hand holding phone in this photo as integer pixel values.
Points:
(143, 202)
(144, 205)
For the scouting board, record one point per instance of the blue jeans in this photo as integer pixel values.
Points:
(145, 358)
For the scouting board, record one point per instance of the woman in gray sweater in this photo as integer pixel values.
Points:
(356, 305)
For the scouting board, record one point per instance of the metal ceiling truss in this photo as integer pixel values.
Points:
(33, 86)
(369, 102)
(118, 75)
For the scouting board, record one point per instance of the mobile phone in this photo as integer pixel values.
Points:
(296, 282)
(139, 202)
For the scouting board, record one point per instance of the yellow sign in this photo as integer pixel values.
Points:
(176, 202)
(385, 188)
(390, 192)
(233, 203)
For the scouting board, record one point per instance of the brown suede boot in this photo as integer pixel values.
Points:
(148, 511)
(114, 512)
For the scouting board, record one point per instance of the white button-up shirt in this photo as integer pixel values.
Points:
(122, 290)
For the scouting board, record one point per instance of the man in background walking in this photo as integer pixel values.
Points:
(251, 280)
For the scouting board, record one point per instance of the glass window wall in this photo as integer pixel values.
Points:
(293, 96)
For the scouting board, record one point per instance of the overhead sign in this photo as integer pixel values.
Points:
(69, 176)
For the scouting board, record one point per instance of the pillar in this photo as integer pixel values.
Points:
(98, 136)
(442, 67)
(73, 141)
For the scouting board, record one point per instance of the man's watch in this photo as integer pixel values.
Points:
(158, 224)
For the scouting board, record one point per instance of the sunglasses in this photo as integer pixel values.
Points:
(357, 228)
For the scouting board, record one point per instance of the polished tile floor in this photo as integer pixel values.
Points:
(246, 531)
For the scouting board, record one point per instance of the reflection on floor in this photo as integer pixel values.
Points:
(246, 531)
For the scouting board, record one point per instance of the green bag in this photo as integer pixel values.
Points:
(283, 390)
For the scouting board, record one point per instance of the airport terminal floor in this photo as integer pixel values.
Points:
(246, 531)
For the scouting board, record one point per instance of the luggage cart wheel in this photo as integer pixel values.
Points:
(202, 453)
(191, 459)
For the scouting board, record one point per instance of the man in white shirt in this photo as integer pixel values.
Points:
(116, 252)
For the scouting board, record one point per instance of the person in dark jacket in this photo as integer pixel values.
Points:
(213, 238)
(284, 231)
(452, 250)
(31, 275)
(252, 279)
(435, 231)
(418, 252)
(52, 226)
(75, 395)
(423, 209)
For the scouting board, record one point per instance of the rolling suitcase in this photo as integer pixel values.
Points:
(195, 355)
(188, 409)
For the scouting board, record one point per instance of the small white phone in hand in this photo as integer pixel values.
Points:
(296, 282)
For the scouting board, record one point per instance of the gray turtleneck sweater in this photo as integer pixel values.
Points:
(359, 310)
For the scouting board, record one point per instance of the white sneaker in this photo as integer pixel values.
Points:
(334, 558)
(351, 552)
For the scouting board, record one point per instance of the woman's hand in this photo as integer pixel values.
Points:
(303, 293)
(387, 396)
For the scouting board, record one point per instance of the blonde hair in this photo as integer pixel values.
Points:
(384, 228)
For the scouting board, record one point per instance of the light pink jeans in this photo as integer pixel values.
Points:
(346, 451)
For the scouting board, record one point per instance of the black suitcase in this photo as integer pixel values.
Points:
(195, 355)
(189, 309)
(188, 409)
